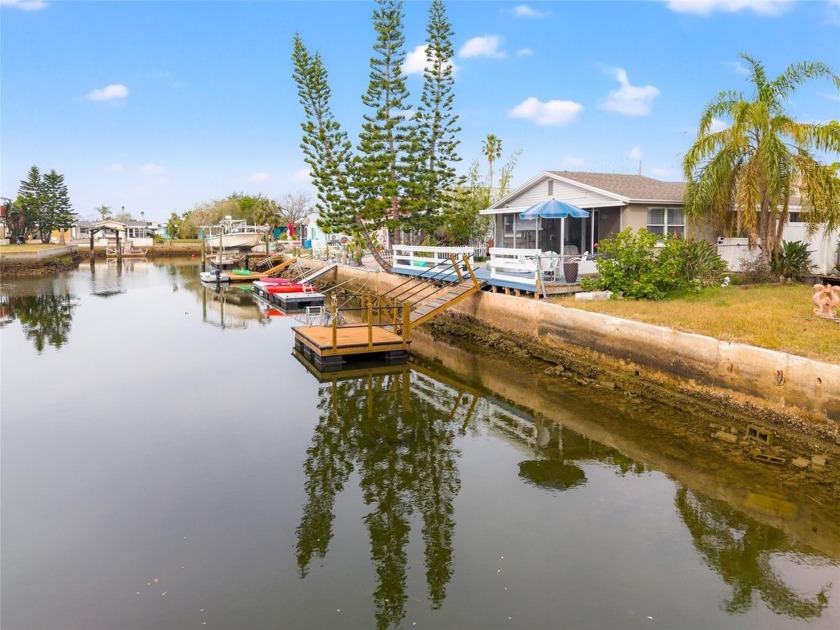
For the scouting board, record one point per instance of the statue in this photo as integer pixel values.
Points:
(827, 299)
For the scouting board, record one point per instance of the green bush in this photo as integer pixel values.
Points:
(643, 265)
(793, 260)
(157, 239)
(701, 263)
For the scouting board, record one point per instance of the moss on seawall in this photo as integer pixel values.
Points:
(589, 368)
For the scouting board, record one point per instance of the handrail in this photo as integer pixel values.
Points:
(444, 264)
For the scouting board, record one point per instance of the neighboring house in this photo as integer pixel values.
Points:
(615, 202)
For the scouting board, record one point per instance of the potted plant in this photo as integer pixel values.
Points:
(570, 269)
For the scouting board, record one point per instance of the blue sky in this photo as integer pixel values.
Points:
(159, 106)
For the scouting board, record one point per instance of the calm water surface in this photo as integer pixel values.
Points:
(168, 463)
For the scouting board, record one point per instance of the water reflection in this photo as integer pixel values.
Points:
(741, 551)
(229, 307)
(45, 319)
(397, 427)
(400, 442)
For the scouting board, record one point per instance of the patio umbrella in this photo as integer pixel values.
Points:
(554, 209)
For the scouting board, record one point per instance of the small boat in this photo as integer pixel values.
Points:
(269, 280)
(234, 234)
(214, 276)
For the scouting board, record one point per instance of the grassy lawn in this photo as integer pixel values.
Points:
(779, 317)
(25, 249)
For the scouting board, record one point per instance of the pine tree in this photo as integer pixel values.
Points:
(326, 148)
(435, 127)
(384, 139)
(30, 200)
(57, 211)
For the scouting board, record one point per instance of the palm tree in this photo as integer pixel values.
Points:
(492, 149)
(762, 159)
(104, 211)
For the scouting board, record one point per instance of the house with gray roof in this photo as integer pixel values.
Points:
(615, 202)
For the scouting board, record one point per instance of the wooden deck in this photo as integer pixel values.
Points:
(507, 285)
(330, 346)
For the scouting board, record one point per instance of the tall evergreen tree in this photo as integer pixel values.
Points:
(57, 212)
(435, 127)
(384, 139)
(30, 200)
(326, 148)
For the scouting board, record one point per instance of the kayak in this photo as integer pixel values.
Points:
(290, 288)
(269, 280)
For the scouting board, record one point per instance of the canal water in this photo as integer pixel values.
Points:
(167, 462)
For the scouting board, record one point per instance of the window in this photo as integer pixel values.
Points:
(508, 219)
(668, 221)
(550, 187)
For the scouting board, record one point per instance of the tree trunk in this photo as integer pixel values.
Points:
(370, 245)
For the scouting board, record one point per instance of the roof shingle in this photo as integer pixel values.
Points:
(634, 187)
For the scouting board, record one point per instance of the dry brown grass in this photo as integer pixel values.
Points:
(779, 317)
(25, 249)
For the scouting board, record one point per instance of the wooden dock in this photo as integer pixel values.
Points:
(332, 346)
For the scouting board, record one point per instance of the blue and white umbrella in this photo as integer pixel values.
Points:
(554, 209)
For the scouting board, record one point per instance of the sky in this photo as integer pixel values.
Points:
(155, 107)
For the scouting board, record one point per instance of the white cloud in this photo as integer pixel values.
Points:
(628, 99)
(115, 168)
(108, 93)
(705, 7)
(556, 113)
(257, 178)
(152, 169)
(524, 11)
(572, 162)
(415, 61)
(524, 52)
(25, 5)
(484, 46)
(635, 153)
(738, 67)
(302, 175)
(718, 125)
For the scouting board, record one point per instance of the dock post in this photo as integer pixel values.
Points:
(370, 322)
(406, 321)
(334, 326)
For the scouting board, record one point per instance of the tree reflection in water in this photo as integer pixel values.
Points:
(45, 319)
(557, 446)
(396, 428)
(740, 550)
(399, 437)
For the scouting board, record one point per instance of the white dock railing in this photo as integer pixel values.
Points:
(417, 257)
(527, 264)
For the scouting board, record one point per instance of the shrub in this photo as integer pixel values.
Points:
(157, 239)
(632, 265)
(648, 266)
(701, 263)
(793, 260)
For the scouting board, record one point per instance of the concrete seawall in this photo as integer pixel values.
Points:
(769, 379)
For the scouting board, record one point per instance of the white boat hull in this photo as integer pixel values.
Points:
(214, 276)
(234, 240)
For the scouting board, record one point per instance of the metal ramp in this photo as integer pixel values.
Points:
(317, 274)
